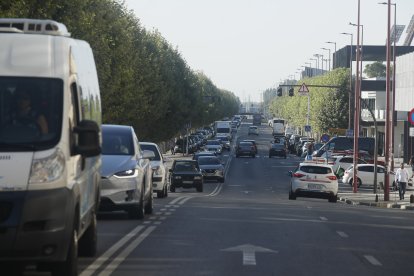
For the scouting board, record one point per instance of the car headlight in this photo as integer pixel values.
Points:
(127, 173)
(157, 171)
(197, 177)
(177, 177)
(47, 169)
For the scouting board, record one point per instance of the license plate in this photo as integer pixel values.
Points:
(314, 187)
(187, 182)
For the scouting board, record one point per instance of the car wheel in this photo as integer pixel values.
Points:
(88, 244)
(160, 194)
(149, 207)
(200, 188)
(137, 211)
(172, 188)
(351, 182)
(165, 191)
(69, 267)
(292, 195)
(333, 198)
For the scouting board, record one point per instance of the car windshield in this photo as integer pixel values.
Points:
(315, 169)
(116, 143)
(152, 148)
(213, 143)
(30, 113)
(185, 167)
(208, 161)
(278, 146)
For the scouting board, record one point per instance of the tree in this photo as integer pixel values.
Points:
(375, 70)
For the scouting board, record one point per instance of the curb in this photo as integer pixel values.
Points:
(378, 204)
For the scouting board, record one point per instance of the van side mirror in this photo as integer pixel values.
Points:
(88, 144)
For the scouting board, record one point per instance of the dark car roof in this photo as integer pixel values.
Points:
(116, 128)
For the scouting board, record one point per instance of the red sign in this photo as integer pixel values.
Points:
(411, 116)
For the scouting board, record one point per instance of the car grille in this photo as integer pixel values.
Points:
(209, 170)
(5, 210)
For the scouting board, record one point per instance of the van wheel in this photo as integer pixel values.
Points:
(333, 199)
(165, 191)
(88, 244)
(200, 188)
(69, 267)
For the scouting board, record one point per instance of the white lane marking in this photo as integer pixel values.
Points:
(342, 234)
(158, 213)
(147, 222)
(167, 213)
(309, 207)
(163, 218)
(184, 200)
(171, 210)
(372, 260)
(124, 254)
(152, 218)
(323, 218)
(249, 258)
(157, 222)
(92, 268)
(175, 200)
(163, 209)
(217, 190)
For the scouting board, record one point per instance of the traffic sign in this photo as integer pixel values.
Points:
(303, 90)
(325, 138)
(308, 128)
(411, 116)
(349, 132)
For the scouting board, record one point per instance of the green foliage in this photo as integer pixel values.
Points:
(375, 70)
(328, 106)
(144, 81)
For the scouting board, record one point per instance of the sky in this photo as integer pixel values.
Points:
(248, 46)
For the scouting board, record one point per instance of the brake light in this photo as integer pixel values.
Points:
(298, 175)
(332, 177)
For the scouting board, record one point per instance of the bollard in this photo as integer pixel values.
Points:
(412, 198)
(376, 198)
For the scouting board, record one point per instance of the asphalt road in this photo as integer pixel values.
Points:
(247, 226)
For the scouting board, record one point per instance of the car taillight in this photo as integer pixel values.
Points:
(332, 177)
(298, 175)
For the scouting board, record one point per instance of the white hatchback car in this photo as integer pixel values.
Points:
(159, 170)
(253, 130)
(342, 163)
(365, 174)
(311, 179)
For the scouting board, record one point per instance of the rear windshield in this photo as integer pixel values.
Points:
(153, 149)
(316, 170)
(185, 167)
(208, 160)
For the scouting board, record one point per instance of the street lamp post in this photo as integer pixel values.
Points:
(350, 82)
(393, 81)
(329, 57)
(316, 65)
(334, 60)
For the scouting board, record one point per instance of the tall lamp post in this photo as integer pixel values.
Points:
(393, 80)
(329, 57)
(334, 60)
(316, 65)
(350, 82)
(360, 51)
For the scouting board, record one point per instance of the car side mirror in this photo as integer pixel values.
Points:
(290, 173)
(148, 154)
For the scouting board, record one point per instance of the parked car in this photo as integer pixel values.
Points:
(342, 163)
(277, 150)
(186, 174)
(365, 175)
(211, 168)
(253, 130)
(311, 179)
(126, 182)
(159, 170)
(245, 149)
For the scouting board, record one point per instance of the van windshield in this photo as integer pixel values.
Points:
(30, 113)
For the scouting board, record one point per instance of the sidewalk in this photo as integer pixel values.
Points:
(368, 198)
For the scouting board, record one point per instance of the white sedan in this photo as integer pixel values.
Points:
(312, 179)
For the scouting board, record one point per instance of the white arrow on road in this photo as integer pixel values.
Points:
(249, 252)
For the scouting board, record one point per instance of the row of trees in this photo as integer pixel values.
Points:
(328, 106)
(144, 81)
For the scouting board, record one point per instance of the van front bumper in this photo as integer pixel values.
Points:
(35, 225)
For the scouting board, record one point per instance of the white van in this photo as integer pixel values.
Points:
(50, 143)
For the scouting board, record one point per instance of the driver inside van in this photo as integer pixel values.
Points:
(26, 115)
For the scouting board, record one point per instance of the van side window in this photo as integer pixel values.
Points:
(74, 122)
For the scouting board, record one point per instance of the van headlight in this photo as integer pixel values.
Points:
(47, 169)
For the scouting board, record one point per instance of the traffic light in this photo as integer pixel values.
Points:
(291, 92)
(279, 91)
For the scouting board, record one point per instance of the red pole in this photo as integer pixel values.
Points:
(357, 109)
(387, 110)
